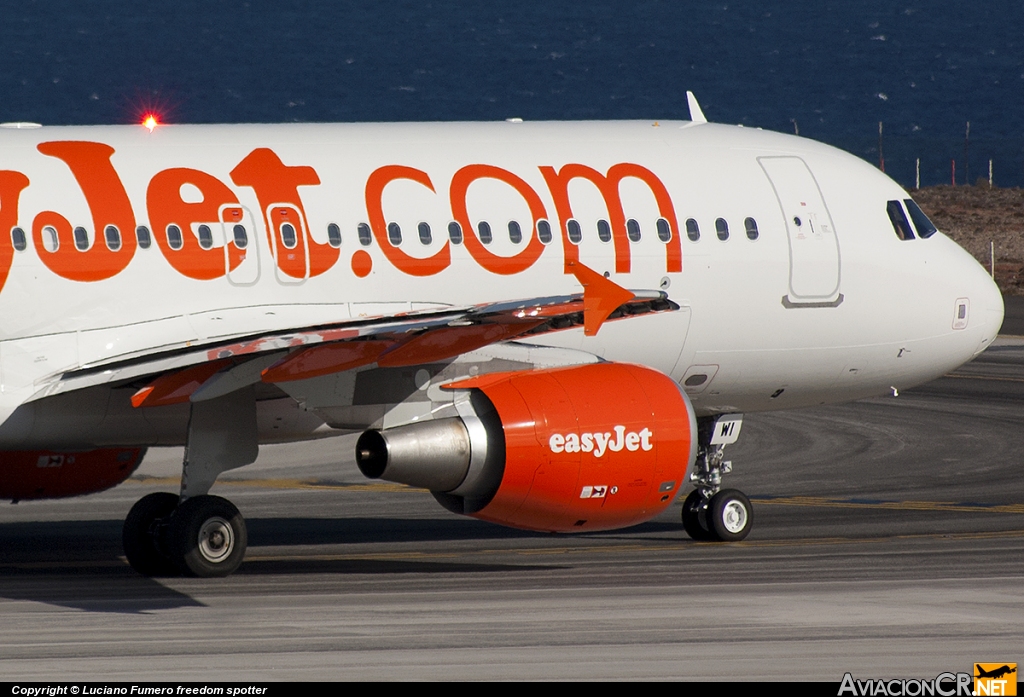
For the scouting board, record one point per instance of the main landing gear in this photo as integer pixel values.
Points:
(711, 513)
(196, 534)
(204, 536)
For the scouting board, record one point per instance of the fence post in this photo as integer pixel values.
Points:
(967, 162)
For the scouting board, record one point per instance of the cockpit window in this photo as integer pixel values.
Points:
(925, 228)
(899, 220)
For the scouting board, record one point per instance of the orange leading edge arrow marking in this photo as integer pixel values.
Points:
(601, 297)
(176, 387)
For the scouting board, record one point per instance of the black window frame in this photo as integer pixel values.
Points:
(364, 234)
(19, 240)
(333, 235)
(143, 237)
(633, 231)
(722, 229)
(455, 235)
(891, 209)
(750, 226)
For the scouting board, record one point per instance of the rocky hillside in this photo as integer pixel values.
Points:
(974, 216)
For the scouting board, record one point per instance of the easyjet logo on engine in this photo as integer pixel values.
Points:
(65, 251)
(600, 443)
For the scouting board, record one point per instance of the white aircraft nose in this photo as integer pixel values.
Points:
(992, 302)
(983, 317)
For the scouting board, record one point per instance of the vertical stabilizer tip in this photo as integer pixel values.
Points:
(696, 115)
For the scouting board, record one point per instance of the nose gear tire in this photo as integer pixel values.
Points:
(730, 515)
(695, 517)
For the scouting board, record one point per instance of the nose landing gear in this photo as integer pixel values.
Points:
(711, 513)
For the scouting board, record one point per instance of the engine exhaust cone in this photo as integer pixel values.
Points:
(434, 454)
(372, 454)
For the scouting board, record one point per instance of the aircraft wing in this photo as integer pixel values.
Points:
(202, 372)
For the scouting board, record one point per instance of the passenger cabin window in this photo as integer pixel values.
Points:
(424, 230)
(364, 234)
(18, 239)
(751, 227)
(112, 236)
(899, 221)
(333, 235)
(174, 238)
(241, 236)
(394, 234)
(722, 228)
(288, 236)
(925, 228)
(604, 231)
(455, 232)
(206, 236)
(575, 231)
(633, 230)
(692, 229)
(81, 239)
(515, 233)
(143, 237)
(484, 229)
(544, 231)
(51, 241)
(664, 230)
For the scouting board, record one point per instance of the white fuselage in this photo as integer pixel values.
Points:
(827, 308)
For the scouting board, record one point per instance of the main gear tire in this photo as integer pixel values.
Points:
(141, 534)
(207, 537)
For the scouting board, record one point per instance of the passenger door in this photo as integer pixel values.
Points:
(814, 260)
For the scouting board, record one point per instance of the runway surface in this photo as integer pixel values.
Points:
(889, 542)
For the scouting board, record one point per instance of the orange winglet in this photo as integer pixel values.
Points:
(448, 342)
(175, 388)
(601, 297)
(325, 359)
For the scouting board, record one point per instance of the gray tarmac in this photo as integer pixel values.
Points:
(888, 542)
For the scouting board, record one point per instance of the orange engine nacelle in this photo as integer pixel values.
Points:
(591, 447)
(54, 475)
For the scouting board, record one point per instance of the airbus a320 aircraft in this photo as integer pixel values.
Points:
(551, 326)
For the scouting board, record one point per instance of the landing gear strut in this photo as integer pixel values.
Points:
(711, 513)
(196, 534)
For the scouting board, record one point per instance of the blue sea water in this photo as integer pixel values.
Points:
(833, 70)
